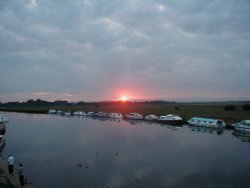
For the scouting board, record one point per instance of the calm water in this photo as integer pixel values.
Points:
(81, 152)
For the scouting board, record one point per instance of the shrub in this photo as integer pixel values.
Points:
(246, 107)
(177, 108)
(229, 108)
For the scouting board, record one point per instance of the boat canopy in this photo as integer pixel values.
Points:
(209, 120)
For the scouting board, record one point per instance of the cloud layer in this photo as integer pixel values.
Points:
(99, 50)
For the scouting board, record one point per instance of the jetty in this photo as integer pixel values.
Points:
(10, 180)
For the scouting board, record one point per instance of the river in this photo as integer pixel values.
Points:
(75, 152)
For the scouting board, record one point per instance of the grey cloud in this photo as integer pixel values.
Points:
(154, 46)
(214, 17)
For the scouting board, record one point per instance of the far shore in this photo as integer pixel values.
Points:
(185, 110)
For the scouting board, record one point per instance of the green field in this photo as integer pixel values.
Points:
(185, 110)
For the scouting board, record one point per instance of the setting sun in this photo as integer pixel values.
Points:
(124, 98)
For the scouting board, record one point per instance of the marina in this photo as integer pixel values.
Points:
(124, 94)
(135, 153)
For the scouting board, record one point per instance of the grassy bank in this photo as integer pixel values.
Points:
(184, 110)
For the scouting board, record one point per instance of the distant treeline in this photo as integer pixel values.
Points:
(40, 102)
(233, 108)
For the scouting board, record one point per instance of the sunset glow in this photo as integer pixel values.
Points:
(124, 98)
(118, 51)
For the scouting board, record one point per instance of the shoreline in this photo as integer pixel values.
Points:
(7, 180)
(11, 181)
(186, 111)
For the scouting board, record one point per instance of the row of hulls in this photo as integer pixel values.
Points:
(174, 119)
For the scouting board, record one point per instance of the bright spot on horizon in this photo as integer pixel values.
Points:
(124, 98)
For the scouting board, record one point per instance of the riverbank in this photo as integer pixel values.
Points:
(10, 181)
(7, 180)
(185, 110)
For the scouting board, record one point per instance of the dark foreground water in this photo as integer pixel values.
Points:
(60, 152)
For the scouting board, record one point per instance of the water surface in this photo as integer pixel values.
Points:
(82, 152)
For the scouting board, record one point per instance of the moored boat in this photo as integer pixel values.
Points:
(115, 115)
(3, 119)
(207, 122)
(102, 114)
(243, 126)
(52, 111)
(90, 113)
(135, 116)
(151, 117)
(171, 119)
(68, 114)
(79, 113)
(59, 112)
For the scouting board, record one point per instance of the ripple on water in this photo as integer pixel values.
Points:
(116, 179)
(60, 174)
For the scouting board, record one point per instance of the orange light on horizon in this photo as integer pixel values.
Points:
(124, 98)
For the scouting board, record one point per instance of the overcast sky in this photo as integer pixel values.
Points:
(93, 50)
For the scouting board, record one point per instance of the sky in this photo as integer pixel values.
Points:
(96, 50)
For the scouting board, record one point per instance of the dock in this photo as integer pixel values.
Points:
(10, 181)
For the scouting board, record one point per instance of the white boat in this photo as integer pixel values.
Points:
(68, 114)
(59, 112)
(116, 115)
(207, 122)
(3, 119)
(151, 117)
(101, 114)
(90, 113)
(243, 126)
(134, 115)
(52, 111)
(171, 119)
(79, 113)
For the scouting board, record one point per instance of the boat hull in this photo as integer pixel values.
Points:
(242, 129)
(206, 126)
(172, 122)
(134, 118)
(243, 126)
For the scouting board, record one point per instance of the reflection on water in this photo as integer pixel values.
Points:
(85, 152)
(106, 119)
(243, 136)
(206, 130)
(171, 127)
(134, 121)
